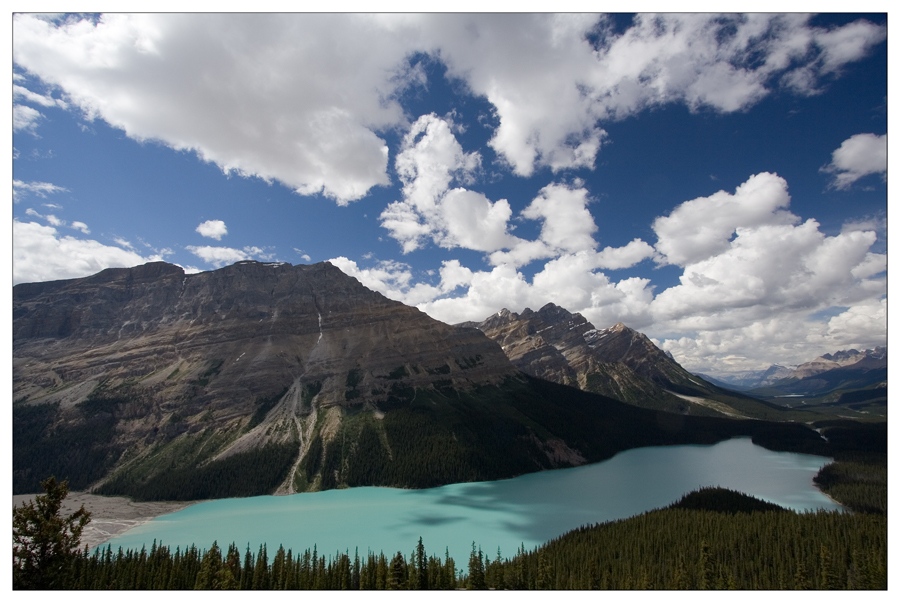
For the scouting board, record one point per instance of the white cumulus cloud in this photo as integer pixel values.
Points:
(303, 98)
(294, 98)
(755, 279)
(703, 227)
(431, 160)
(40, 253)
(858, 156)
(222, 256)
(213, 229)
(551, 87)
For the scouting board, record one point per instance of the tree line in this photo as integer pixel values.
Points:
(711, 539)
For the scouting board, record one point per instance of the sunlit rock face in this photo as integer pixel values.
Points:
(196, 351)
(867, 359)
(266, 324)
(619, 362)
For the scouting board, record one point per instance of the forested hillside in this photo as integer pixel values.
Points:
(712, 539)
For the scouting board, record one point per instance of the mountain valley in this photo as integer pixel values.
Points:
(270, 378)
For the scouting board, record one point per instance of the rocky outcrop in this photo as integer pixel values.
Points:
(249, 355)
(249, 330)
(868, 359)
(619, 362)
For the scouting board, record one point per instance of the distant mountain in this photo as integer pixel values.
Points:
(748, 380)
(869, 359)
(259, 378)
(619, 362)
(836, 377)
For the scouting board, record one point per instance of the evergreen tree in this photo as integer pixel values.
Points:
(261, 571)
(44, 542)
(705, 567)
(680, 580)
(247, 571)
(476, 570)
(421, 567)
(801, 579)
(449, 570)
(277, 577)
(207, 577)
(398, 572)
(233, 563)
(826, 576)
(544, 578)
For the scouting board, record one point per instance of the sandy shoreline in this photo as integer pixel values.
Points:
(110, 515)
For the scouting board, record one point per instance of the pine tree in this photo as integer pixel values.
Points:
(801, 580)
(44, 542)
(476, 570)
(277, 576)
(496, 580)
(247, 571)
(398, 572)
(680, 580)
(826, 578)
(421, 567)
(705, 567)
(261, 571)
(233, 563)
(449, 569)
(544, 575)
(207, 577)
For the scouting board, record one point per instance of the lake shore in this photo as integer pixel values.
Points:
(111, 516)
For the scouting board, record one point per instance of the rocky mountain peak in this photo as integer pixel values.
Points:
(553, 314)
(843, 358)
(619, 362)
(204, 348)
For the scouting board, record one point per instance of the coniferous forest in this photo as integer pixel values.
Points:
(711, 539)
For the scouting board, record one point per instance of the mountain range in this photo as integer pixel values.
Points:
(271, 378)
(619, 362)
(847, 377)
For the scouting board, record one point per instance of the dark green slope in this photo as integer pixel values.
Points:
(419, 438)
(493, 433)
(678, 548)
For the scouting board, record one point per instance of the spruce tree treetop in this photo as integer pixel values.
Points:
(44, 541)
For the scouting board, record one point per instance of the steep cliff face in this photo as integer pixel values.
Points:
(254, 354)
(247, 330)
(619, 362)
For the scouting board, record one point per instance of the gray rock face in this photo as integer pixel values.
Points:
(208, 350)
(559, 346)
(868, 359)
(266, 325)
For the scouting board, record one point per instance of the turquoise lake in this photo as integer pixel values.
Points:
(530, 509)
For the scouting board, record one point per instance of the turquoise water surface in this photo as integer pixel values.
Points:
(530, 509)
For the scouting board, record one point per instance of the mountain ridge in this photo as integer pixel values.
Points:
(555, 344)
(270, 378)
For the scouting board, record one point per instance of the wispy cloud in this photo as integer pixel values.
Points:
(41, 189)
(222, 256)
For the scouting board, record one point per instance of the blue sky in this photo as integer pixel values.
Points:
(716, 182)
